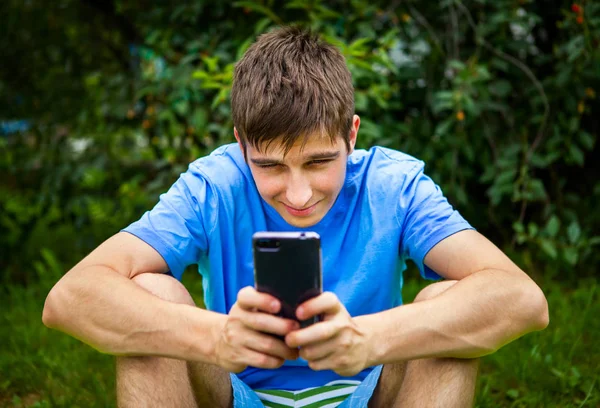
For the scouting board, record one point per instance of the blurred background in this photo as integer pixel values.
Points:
(103, 103)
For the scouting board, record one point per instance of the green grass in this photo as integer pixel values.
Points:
(558, 367)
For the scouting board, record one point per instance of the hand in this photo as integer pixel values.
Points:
(245, 339)
(337, 343)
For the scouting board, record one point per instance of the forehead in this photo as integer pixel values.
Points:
(302, 147)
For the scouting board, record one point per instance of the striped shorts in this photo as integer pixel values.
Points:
(336, 394)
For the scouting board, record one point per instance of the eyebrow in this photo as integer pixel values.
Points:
(315, 156)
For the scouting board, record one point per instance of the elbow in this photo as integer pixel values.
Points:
(543, 319)
(50, 313)
(538, 316)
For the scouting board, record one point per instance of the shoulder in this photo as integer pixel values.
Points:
(223, 169)
(384, 165)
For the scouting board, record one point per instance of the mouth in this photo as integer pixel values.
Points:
(303, 212)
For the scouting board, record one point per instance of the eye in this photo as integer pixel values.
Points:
(317, 162)
(268, 166)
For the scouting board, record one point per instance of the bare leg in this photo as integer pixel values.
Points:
(434, 382)
(163, 382)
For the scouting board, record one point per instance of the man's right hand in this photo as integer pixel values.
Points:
(246, 337)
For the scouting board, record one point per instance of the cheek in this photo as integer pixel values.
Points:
(267, 186)
(331, 182)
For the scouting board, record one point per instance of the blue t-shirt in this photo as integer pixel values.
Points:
(387, 211)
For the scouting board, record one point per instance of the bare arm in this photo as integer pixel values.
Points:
(493, 303)
(97, 302)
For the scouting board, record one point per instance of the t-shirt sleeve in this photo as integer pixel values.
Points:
(425, 218)
(179, 225)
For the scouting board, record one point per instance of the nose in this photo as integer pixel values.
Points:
(298, 192)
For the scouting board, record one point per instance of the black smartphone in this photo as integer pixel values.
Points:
(287, 265)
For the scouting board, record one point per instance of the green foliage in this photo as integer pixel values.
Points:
(499, 98)
(557, 367)
(42, 367)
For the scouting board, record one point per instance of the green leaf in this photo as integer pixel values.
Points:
(552, 226)
(261, 26)
(359, 44)
(587, 140)
(361, 101)
(571, 255)
(573, 232)
(199, 74)
(244, 46)
(532, 229)
(260, 9)
(501, 87)
(518, 227)
(457, 65)
(576, 154)
(297, 4)
(549, 248)
(211, 63)
(443, 127)
(573, 124)
(506, 176)
(326, 13)
(564, 76)
(500, 64)
(535, 190)
(199, 118)
(512, 393)
(181, 107)
(220, 98)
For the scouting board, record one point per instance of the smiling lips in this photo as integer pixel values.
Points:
(305, 212)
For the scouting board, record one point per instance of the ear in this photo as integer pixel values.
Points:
(237, 136)
(239, 142)
(354, 132)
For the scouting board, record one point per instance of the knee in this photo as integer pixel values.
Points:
(164, 287)
(434, 290)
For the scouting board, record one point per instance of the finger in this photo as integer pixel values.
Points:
(267, 323)
(249, 299)
(326, 303)
(315, 333)
(317, 351)
(342, 365)
(271, 346)
(260, 360)
(320, 365)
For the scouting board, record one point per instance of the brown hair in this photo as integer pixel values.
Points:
(291, 84)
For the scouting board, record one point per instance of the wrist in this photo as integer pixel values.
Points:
(214, 335)
(201, 338)
(370, 326)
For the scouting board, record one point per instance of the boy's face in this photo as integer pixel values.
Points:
(303, 185)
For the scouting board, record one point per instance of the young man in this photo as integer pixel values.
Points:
(294, 167)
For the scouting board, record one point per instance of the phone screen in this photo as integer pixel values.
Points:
(287, 265)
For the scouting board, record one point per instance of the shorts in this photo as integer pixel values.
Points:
(245, 397)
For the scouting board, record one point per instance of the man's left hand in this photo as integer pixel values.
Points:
(337, 343)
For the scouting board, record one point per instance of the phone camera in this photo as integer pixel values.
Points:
(268, 243)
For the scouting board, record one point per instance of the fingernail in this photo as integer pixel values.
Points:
(299, 312)
(274, 306)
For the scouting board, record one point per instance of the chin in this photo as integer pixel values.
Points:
(303, 223)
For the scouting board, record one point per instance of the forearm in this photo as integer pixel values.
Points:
(113, 314)
(475, 317)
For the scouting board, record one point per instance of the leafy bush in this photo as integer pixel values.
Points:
(499, 98)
